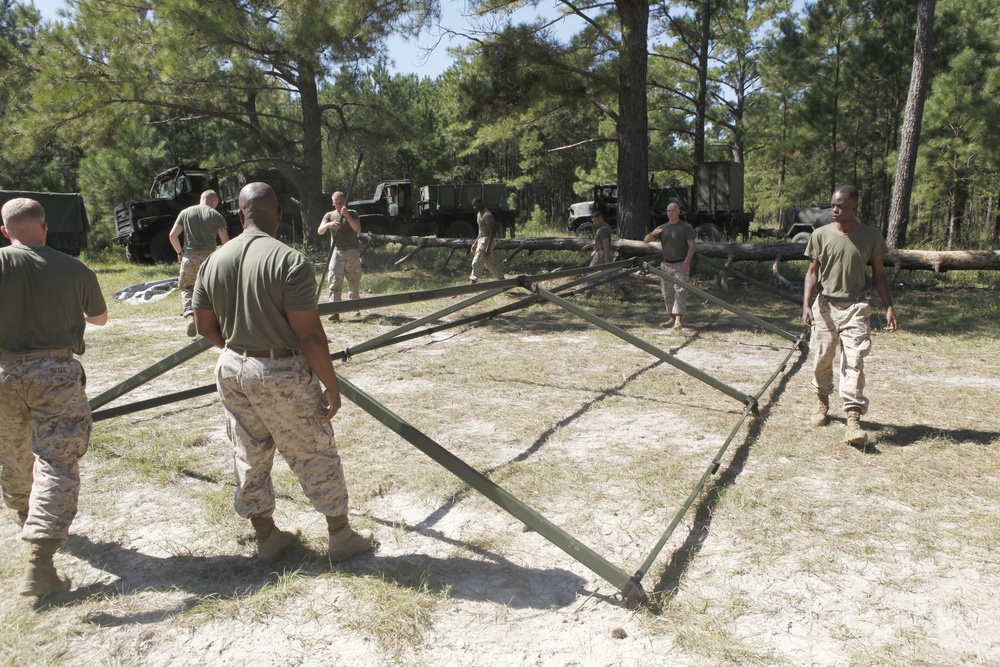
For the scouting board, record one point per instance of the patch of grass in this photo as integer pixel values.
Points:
(249, 606)
(394, 615)
(151, 453)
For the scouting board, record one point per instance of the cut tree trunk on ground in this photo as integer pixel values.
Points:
(928, 260)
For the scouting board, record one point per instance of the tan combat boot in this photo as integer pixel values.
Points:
(345, 542)
(678, 321)
(855, 434)
(272, 543)
(821, 414)
(40, 576)
(192, 329)
(20, 516)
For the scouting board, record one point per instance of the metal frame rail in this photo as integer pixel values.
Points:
(630, 586)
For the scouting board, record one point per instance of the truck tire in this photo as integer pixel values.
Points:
(135, 253)
(460, 229)
(160, 248)
(585, 229)
(708, 232)
(801, 237)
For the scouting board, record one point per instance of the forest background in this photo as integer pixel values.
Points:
(806, 95)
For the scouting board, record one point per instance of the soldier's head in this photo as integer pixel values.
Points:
(259, 207)
(339, 200)
(597, 217)
(673, 211)
(844, 204)
(210, 198)
(477, 204)
(24, 221)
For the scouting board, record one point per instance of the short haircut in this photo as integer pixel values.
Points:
(338, 195)
(209, 195)
(597, 214)
(848, 191)
(477, 200)
(22, 208)
(256, 197)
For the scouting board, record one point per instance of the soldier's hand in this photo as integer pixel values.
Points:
(331, 405)
(807, 316)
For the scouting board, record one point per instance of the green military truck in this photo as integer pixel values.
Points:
(441, 210)
(66, 217)
(713, 204)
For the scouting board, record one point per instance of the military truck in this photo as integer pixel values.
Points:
(798, 224)
(713, 204)
(440, 210)
(66, 217)
(143, 226)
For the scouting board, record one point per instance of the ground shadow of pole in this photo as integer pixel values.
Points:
(442, 511)
(666, 588)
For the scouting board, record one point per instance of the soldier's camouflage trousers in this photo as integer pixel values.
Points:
(481, 260)
(674, 296)
(271, 403)
(846, 323)
(345, 264)
(191, 261)
(45, 428)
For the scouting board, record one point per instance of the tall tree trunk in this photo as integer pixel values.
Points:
(923, 43)
(311, 191)
(633, 123)
(701, 107)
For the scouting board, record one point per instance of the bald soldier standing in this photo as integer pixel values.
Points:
(48, 298)
(256, 298)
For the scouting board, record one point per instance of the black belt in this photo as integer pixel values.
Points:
(36, 354)
(274, 353)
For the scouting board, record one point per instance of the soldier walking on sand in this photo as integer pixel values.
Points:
(833, 307)
(48, 298)
(345, 261)
(200, 224)
(482, 247)
(256, 299)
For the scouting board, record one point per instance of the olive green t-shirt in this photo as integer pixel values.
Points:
(601, 233)
(843, 258)
(250, 303)
(44, 295)
(675, 237)
(345, 238)
(483, 220)
(201, 225)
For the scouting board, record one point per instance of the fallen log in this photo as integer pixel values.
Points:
(927, 260)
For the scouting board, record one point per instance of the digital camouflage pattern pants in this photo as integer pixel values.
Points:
(271, 404)
(674, 296)
(191, 261)
(45, 428)
(481, 259)
(345, 264)
(846, 323)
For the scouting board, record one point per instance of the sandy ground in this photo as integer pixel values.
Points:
(801, 551)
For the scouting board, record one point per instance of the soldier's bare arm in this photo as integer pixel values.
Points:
(97, 320)
(208, 326)
(809, 293)
(312, 342)
(175, 236)
(882, 287)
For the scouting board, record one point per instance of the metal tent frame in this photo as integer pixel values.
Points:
(630, 586)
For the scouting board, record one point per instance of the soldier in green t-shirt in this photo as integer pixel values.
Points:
(677, 239)
(48, 299)
(603, 250)
(256, 298)
(200, 224)
(345, 261)
(832, 305)
(482, 247)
